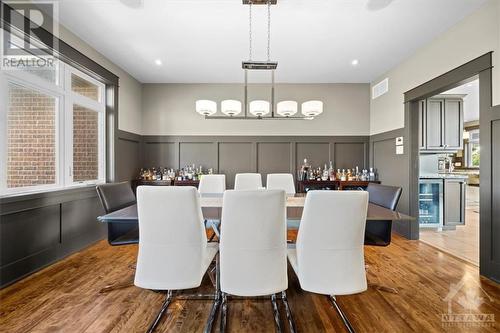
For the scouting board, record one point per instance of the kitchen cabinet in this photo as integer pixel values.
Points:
(454, 202)
(434, 124)
(441, 123)
(421, 124)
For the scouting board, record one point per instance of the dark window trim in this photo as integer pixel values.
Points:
(62, 50)
(75, 58)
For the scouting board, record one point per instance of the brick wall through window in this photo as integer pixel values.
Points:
(31, 143)
(31, 153)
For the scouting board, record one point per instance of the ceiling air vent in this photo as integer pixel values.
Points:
(380, 88)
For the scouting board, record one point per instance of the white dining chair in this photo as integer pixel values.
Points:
(173, 250)
(248, 181)
(212, 184)
(253, 266)
(281, 181)
(328, 256)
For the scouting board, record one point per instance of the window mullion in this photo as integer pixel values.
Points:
(68, 129)
(4, 104)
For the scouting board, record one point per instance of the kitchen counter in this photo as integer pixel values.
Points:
(443, 176)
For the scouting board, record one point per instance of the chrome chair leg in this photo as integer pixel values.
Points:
(277, 319)
(164, 307)
(215, 306)
(289, 317)
(341, 313)
(223, 315)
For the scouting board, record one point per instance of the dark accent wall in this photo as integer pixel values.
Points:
(128, 155)
(263, 154)
(393, 170)
(39, 229)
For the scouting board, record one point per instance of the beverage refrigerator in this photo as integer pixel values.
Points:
(430, 202)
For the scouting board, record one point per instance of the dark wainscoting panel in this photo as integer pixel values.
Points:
(235, 157)
(495, 193)
(264, 154)
(128, 156)
(349, 155)
(160, 154)
(80, 218)
(274, 157)
(317, 153)
(43, 226)
(39, 229)
(199, 153)
(393, 170)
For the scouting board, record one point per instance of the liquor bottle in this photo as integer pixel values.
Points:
(331, 172)
(153, 174)
(371, 175)
(304, 170)
(357, 175)
(324, 174)
(349, 174)
(343, 176)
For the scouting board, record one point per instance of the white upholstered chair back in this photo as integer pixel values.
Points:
(172, 239)
(253, 243)
(212, 184)
(248, 181)
(281, 181)
(329, 247)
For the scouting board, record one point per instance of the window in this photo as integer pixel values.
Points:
(53, 131)
(473, 149)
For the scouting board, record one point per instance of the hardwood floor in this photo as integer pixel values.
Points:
(65, 297)
(463, 242)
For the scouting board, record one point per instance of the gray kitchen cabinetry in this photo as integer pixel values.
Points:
(441, 123)
(421, 124)
(454, 202)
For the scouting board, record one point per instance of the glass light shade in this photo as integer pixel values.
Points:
(312, 108)
(287, 108)
(231, 107)
(206, 107)
(259, 108)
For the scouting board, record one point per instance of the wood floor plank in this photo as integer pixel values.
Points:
(65, 297)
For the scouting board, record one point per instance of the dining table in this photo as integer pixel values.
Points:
(211, 205)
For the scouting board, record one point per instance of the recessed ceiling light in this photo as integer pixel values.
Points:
(158, 62)
(470, 85)
(355, 62)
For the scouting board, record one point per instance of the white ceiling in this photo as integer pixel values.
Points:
(202, 41)
(471, 99)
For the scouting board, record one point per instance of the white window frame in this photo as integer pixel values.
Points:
(469, 148)
(65, 97)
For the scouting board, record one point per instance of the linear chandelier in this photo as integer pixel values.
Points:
(259, 109)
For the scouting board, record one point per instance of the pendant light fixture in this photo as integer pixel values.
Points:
(312, 108)
(206, 107)
(231, 107)
(287, 108)
(259, 109)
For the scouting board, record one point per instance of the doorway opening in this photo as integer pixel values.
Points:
(489, 132)
(449, 162)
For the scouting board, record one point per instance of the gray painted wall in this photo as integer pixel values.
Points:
(39, 229)
(263, 154)
(393, 170)
(169, 109)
